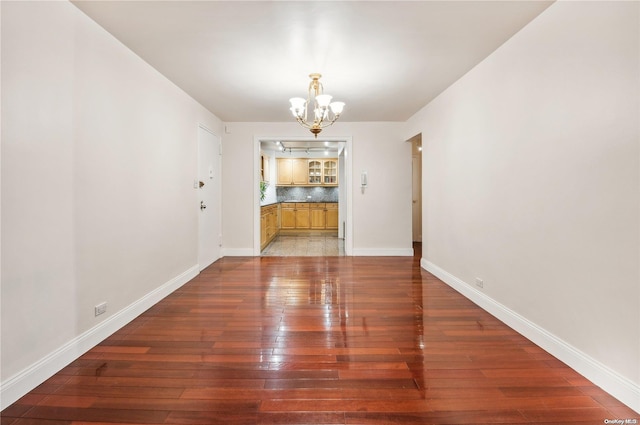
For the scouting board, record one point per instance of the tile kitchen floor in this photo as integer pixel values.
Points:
(307, 244)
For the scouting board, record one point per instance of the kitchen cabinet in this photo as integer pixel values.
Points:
(318, 216)
(272, 223)
(307, 172)
(302, 216)
(292, 171)
(332, 215)
(309, 215)
(268, 224)
(324, 216)
(294, 215)
(330, 172)
(263, 230)
(315, 172)
(288, 216)
(265, 173)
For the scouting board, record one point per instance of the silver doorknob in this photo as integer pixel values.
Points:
(202, 205)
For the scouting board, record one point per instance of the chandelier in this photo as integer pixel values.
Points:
(325, 112)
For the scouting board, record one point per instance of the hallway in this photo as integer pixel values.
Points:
(315, 340)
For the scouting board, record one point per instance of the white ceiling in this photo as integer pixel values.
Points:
(244, 60)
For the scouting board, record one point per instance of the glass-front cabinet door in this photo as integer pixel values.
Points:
(315, 172)
(330, 172)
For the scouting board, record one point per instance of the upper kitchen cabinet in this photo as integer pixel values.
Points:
(307, 172)
(265, 173)
(330, 172)
(292, 171)
(315, 171)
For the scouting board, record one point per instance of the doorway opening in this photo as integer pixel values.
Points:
(302, 197)
(416, 189)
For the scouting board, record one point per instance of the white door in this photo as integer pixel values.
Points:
(209, 224)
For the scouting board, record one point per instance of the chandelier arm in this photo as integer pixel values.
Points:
(303, 123)
(329, 123)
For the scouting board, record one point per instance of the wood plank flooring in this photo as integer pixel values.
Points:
(316, 340)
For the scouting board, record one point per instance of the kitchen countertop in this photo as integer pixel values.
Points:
(308, 202)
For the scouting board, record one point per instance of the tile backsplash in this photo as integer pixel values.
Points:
(307, 194)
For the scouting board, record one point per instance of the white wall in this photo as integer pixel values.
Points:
(532, 183)
(381, 216)
(99, 154)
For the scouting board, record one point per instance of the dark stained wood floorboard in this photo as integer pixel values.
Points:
(335, 340)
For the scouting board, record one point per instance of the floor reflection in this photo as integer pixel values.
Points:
(325, 309)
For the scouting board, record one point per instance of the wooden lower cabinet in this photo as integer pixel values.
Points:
(332, 216)
(263, 230)
(287, 216)
(302, 216)
(309, 215)
(268, 224)
(318, 215)
(272, 224)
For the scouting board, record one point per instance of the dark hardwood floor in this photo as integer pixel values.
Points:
(316, 340)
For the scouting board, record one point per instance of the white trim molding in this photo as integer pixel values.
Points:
(383, 252)
(237, 252)
(610, 381)
(346, 182)
(29, 378)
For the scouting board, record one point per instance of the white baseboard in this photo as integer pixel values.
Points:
(610, 381)
(237, 252)
(29, 378)
(383, 252)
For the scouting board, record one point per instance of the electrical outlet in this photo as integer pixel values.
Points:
(479, 282)
(101, 309)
